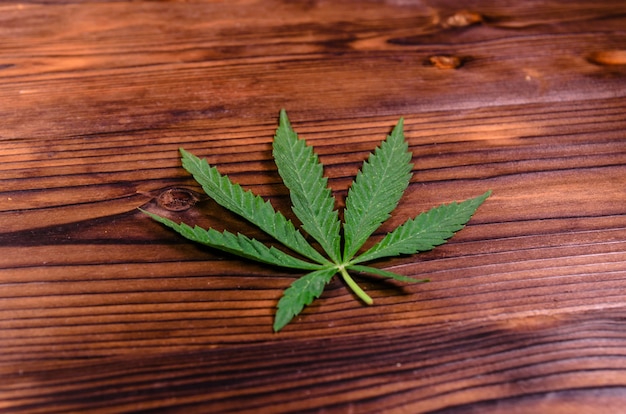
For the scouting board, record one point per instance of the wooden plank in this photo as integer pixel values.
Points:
(103, 310)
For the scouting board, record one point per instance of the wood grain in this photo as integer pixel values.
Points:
(103, 310)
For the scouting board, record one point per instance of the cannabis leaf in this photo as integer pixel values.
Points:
(374, 194)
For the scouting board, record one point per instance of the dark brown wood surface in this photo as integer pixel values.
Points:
(103, 310)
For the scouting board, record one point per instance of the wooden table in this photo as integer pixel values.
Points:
(104, 310)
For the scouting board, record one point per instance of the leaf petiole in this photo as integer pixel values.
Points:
(355, 288)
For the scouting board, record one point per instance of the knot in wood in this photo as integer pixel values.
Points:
(463, 18)
(608, 57)
(176, 199)
(445, 61)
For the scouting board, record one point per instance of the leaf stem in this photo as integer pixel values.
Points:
(355, 288)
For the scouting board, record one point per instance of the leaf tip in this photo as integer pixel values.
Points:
(184, 153)
(485, 195)
(283, 118)
(400, 125)
(281, 320)
(398, 130)
(147, 213)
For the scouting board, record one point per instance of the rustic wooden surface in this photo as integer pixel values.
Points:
(102, 310)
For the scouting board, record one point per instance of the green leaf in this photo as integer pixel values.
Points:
(373, 195)
(376, 190)
(300, 294)
(251, 207)
(237, 244)
(312, 201)
(425, 231)
(385, 273)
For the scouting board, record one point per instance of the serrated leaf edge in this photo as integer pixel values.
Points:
(414, 236)
(249, 206)
(312, 202)
(376, 190)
